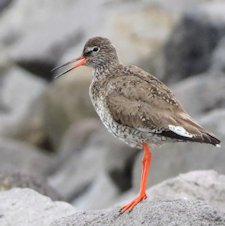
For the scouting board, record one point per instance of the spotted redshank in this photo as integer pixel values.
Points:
(135, 106)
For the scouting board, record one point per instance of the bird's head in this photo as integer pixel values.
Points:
(97, 52)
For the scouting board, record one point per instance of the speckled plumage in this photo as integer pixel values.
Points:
(138, 108)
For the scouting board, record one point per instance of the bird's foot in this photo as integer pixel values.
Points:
(129, 206)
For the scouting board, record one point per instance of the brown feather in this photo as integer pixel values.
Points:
(139, 100)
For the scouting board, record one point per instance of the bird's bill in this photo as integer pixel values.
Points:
(82, 61)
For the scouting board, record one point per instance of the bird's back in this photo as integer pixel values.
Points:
(131, 100)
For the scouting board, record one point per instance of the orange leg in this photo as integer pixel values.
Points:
(146, 162)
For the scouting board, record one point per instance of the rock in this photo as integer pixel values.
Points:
(189, 49)
(218, 57)
(11, 179)
(175, 158)
(78, 134)
(138, 30)
(75, 138)
(102, 153)
(66, 101)
(56, 36)
(197, 94)
(20, 111)
(23, 157)
(4, 4)
(163, 213)
(25, 207)
(93, 197)
(207, 186)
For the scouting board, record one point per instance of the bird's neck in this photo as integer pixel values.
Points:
(105, 70)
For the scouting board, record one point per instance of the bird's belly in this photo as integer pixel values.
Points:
(132, 137)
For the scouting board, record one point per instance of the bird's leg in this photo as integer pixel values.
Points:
(146, 162)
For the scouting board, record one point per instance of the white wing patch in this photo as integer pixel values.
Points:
(180, 131)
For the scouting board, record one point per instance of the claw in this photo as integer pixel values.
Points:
(129, 207)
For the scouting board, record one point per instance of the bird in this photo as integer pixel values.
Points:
(135, 106)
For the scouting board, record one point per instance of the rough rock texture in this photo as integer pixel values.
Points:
(4, 4)
(11, 179)
(66, 101)
(202, 93)
(24, 157)
(102, 155)
(134, 32)
(218, 57)
(93, 197)
(192, 199)
(20, 112)
(163, 213)
(172, 159)
(207, 186)
(57, 29)
(190, 47)
(25, 207)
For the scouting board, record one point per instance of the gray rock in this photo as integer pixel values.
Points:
(24, 157)
(172, 159)
(25, 207)
(20, 111)
(151, 213)
(93, 197)
(66, 101)
(138, 29)
(207, 186)
(190, 47)
(38, 43)
(197, 94)
(11, 179)
(218, 57)
(77, 135)
(102, 154)
(4, 4)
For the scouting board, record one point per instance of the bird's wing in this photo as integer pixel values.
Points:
(139, 100)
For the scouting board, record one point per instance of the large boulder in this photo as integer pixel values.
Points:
(218, 57)
(139, 34)
(15, 179)
(196, 198)
(207, 186)
(202, 93)
(189, 49)
(24, 157)
(66, 101)
(20, 108)
(163, 213)
(25, 207)
(102, 159)
(39, 42)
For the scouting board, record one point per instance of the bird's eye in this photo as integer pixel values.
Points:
(95, 49)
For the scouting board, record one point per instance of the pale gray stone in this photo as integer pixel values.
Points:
(25, 207)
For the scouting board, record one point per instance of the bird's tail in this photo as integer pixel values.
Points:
(188, 130)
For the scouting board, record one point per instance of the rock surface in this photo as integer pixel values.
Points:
(14, 179)
(202, 93)
(195, 198)
(207, 186)
(24, 157)
(20, 112)
(66, 101)
(102, 154)
(190, 47)
(218, 57)
(25, 207)
(164, 213)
